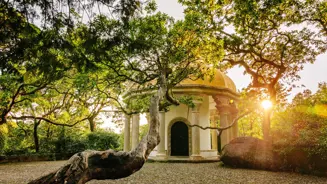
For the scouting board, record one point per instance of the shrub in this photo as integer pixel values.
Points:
(70, 145)
(3, 138)
(102, 140)
(2, 142)
(299, 132)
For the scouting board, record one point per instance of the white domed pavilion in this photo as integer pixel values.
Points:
(214, 101)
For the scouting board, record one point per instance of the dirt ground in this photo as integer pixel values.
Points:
(174, 173)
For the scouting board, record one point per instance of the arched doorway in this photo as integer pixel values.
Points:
(179, 139)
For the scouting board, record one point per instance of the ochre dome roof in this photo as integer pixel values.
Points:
(218, 80)
(219, 83)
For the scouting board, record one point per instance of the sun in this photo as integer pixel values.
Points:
(266, 104)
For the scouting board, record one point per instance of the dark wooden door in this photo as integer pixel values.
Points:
(179, 139)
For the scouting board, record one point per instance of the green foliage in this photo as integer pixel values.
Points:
(143, 130)
(55, 139)
(19, 139)
(251, 125)
(65, 72)
(250, 100)
(121, 141)
(139, 103)
(303, 124)
(69, 145)
(102, 140)
(3, 137)
(263, 36)
(188, 100)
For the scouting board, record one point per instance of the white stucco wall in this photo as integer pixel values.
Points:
(182, 111)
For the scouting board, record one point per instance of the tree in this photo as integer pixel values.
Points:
(258, 37)
(136, 50)
(251, 125)
(23, 47)
(310, 12)
(46, 52)
(34, 59)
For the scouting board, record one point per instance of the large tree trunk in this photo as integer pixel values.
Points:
(35, 135)
(267, 114)
(91, 119)
(266, 125)
(110, 164)
(251, 127)
(92, 124)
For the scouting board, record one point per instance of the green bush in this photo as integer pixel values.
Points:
(54, 139)
(299, 132)
(95, 141)
(143, 130)
(3, 138)
(70, 145)
(102, 140)
(121, 141)
(2, 142)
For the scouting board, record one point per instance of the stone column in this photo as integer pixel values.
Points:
(213, 123)
(127, 133)
(161, 152)
(230, 130)
(224, 137)
(196, 131)
(135, 130)
(222, 105)
(235, 126)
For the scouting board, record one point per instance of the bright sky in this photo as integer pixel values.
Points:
(311, 75)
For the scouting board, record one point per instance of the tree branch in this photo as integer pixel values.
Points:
(220, 129)
(47, 120)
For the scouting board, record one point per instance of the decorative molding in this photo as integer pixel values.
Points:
(212, 150)
(188, 89)
(208, 90)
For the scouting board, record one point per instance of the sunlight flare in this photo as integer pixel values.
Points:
(266, 104)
